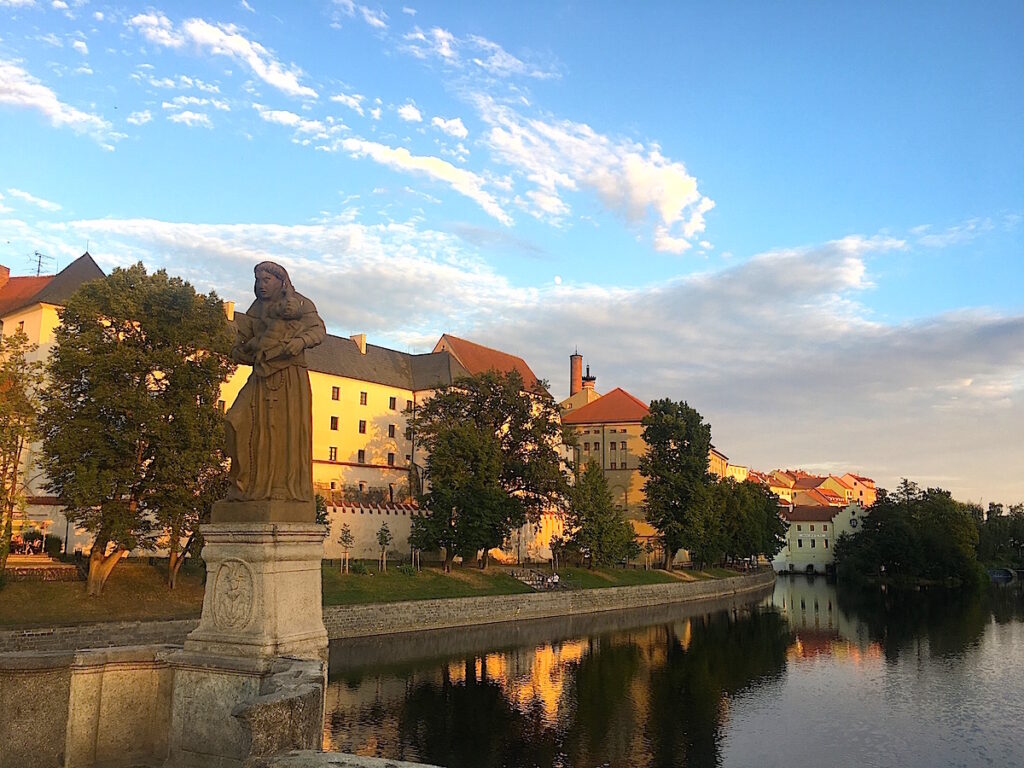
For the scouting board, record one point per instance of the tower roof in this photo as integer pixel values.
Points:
(618, 406)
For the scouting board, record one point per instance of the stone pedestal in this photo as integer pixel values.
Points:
(263, 591)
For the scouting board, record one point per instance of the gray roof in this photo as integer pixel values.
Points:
(341, 357)
(70, 279)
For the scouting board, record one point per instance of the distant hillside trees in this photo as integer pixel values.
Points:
(912, 536)
(131, 432)
(492, 463)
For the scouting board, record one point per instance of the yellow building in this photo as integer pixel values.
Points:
(864, 491)
(811, 536)
(30, 304)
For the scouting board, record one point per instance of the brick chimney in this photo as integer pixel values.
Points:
(575, 373)
(588, 380)
(360, 340)
(5, 275)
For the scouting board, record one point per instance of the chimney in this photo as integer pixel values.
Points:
(5, 275)
(588, 380)
(360, 340)
(229, 310)
(575, 373)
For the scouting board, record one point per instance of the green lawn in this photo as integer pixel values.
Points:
(135, 591)
(393, 586)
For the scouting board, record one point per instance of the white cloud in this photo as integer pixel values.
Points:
(180, 102)
(375, 113)
(376, 19)
(59, 5)
(20, 89)
(81, 47)
(191, 119)
(17, 3)
(39, 202)
(453, 127)
(462, 181)
(352, 101)
(245, 6)
(633, 180)
(224, 40)
(408, 11)
(51, 39)
(140, 118)
(410, 114)
(474, 51)
(98, 15)
(292, 120)
(956, 234)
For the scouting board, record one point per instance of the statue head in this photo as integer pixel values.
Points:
(272, 282)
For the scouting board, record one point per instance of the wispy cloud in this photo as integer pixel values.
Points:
(376, 19)
(315, 128)
(472, 52)
(191, 119)
(410, 113)
(953, 235)
(20, 89)
(353, 101)
(140, 118)
(39, 202)
(453, 127)
(224, 40)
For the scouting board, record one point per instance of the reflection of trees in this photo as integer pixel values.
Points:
(688, 693)
(950, 620)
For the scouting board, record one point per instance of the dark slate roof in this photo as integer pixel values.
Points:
(341, 357)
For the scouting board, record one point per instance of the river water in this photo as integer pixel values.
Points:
(800, 675)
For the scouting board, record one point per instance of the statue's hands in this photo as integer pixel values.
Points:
(295, 346)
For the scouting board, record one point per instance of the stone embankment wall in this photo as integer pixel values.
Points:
(347, 621)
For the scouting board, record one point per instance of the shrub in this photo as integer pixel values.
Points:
(406, 569)
(358, 567)
(53, 545)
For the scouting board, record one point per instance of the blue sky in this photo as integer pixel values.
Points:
(805, 219)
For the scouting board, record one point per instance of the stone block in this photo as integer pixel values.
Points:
(263, 591)
(263, 511)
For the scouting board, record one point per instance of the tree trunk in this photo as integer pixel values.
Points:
(176, 560)
(449, 556)
(5, 539)
(100, 566)
(484, 559)
(669, 557)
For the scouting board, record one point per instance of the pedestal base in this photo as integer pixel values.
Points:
(263, 591)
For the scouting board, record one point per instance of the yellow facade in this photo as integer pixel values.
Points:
(617, 447)
(837, 486)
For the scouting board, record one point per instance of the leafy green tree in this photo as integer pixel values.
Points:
(384, 539)
(492, 463)
(20, 382)
(130, 420)
(346, 540)
(750, 519)
(677, 487)
(321, 510)
(597, 528)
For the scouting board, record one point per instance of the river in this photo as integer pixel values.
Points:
(801, 675)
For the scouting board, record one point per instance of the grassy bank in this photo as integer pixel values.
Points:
(137, 591)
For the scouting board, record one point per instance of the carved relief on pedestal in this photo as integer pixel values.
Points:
(233, 595)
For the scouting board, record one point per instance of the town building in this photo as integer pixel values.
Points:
(864, 491)
(811, 536)
(31, 304)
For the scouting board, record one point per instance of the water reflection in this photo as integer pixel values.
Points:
(681, 686)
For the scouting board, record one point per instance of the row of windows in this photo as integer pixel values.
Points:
(392, 429)
(611, 446)
(363, 398)
(332, 455)
(800, 543)
(824, 527)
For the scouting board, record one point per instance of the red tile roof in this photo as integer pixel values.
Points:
(803, 513)
(476, 358)
(617, 407)
(19, 291)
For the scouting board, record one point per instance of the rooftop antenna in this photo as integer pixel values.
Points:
(39, 259)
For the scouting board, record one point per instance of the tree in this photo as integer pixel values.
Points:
(322, 517)
(346, 540)
(492, 463)
(598, 530)
(751, 523)
(130, 426)
(677, 484)
(20, 381)
(384, 539)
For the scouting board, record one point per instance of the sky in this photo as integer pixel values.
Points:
(804, 219)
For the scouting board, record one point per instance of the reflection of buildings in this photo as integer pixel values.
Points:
(809, 605)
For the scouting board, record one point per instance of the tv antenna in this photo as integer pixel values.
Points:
(40, 259)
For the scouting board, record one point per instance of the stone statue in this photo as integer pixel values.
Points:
(269, 427)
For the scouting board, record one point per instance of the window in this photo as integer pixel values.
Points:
(391, 459)
(334, 484)
(362, 398)
(612, 446)
(800, 543)
(391, 428)
(362, 426)
(799, 527)
(408, 458)
(813, 542)
(334, 423)
(335, 393)
(408, 405)
(362, 486)
(391, 491)
(597, 446)
(221, 406)
(826, 543)
(824, 527)
(392, 403)
(622, 445)
(408, 433)
(21, 325)
(586, 447)
(612, 465)
(812, 526)
(332, 453)
(361, 458)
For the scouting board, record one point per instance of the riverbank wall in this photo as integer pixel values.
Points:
(352, 621)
